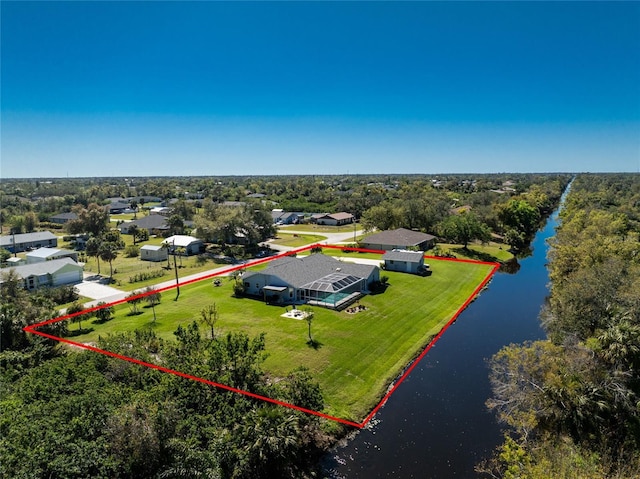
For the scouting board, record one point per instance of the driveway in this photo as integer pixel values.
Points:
(94, 289)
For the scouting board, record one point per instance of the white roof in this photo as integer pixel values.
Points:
(181, 240)
(48, 252)
(150, 247)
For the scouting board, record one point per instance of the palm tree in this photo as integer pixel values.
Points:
(133, 230)
(92, 249)
(109, 252)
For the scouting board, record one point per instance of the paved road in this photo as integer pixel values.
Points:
(332, 238)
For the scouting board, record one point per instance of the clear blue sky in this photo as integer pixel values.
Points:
(216, 88)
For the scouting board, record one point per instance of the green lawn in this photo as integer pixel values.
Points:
(295, 240)
(481, 252)
(359, 355)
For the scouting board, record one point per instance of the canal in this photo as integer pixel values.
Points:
(436, 424)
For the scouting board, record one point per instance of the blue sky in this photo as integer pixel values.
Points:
(217, 88)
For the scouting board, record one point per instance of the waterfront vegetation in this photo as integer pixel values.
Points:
(571, 403)
(356, 355)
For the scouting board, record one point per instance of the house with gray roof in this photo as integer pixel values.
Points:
(404, 261)
(28, 241)
(316, 279)
(52, 273)
(151, 223)
(400, 238)
(63, 218)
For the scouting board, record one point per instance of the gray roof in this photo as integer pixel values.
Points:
(299, 272)
(150, 247)
(40, 269)
(408, 256)
(401, 236)
(26, 238)
(149, 222)
(65, 216)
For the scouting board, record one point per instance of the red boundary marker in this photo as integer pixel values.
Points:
(33, 329)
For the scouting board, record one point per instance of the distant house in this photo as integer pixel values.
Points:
(400, 238)
(286, 217)
(404, 261)
(316, 279)
(190, 244)
(333, 219)
(153, 253)
(160, 210)
(63, 218)
(48, 254)
(52, 273)
(119, 207)
(28, 241)
(151, 223)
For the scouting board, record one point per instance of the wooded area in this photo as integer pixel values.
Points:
(572, 402)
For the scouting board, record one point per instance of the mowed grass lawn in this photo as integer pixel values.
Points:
(296, 240)
(358, 356)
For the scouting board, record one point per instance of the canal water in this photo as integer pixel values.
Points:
(436, 424)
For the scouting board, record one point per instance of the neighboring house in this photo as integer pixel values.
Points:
(63, 218)
(160, 210)
(404, 261)
(316, 279)
(52, 273)
(28, 241)
(48, 254)
(282, 217)
(190, 244)
(400, 238)
(334, 219)
(119, 207)
(150, 223)
(153, 253)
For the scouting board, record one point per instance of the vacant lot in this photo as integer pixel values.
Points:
(357, 356)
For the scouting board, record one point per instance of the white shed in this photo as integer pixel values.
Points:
(153, 253)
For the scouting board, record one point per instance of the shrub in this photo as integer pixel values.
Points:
(131, 251)
(145, 275)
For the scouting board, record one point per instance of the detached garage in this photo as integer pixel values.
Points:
(404, 261)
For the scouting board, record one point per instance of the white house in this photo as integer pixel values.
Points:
(56, 272)
(48, 254)
(404, 261)
(153, 253)
(190, 244)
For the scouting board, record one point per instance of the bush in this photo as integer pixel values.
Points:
(238, 289)
(131, 251)
(145, 275)
(384, 279)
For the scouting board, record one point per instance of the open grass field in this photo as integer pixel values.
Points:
(357, 356)
(481, 252)
(296, 240)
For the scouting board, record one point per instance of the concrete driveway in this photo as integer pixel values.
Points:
(94, 289)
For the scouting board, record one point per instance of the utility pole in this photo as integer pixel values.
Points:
(175, 267)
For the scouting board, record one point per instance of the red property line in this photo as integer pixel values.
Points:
(33, 329)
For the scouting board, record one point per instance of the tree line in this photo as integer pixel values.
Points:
(571, 403)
